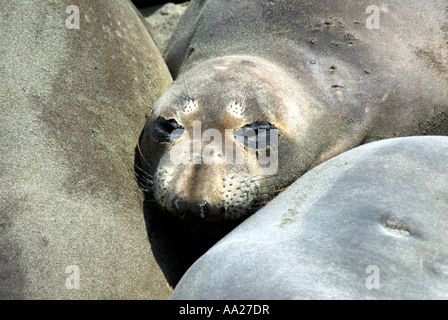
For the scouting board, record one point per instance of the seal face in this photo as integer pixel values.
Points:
(311, 74)
(216, 157)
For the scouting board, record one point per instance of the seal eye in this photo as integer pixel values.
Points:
(166, 130)
(256, 135)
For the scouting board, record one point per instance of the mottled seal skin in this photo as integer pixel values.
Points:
(313, 70)
(73, 103)
(370, 223)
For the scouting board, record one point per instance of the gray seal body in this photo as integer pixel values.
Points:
(370, 223)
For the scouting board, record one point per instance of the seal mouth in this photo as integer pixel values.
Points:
(202, 211)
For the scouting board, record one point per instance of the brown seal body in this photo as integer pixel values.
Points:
(315, 71)
(72, 105)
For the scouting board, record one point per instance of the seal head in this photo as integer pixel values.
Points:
(221, 140)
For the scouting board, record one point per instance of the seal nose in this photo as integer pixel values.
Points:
(202, 208)
(180, 206)
(175, 204)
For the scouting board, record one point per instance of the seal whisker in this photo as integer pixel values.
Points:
(185, 94)
(236, 172)
(147, 191)
(147, 164)
(148, 182)
(281, 190)
(268, 186)
(142, 172)
(144, 179)
(187, 88)
(260, 179)
(142, 175)
(258, 205)
(141, 157)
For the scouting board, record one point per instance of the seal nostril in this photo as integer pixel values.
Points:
(175, 204)
(203, 208)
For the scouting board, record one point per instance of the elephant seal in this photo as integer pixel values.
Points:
(73, 104)
(370, 223)
(316, 74)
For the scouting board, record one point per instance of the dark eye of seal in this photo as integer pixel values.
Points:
(166, 130)
(255, 135)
